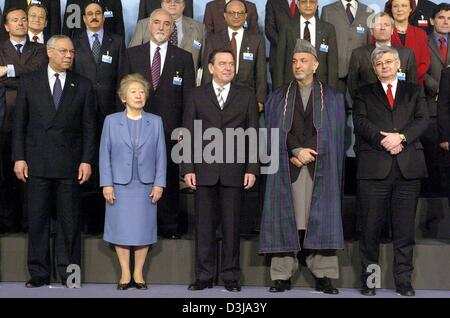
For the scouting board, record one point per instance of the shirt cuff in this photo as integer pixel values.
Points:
(11, 71)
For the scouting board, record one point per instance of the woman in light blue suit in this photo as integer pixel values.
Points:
(133, 175)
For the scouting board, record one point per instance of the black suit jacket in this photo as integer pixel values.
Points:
(327, 72)
(104, 76)
(54, 142)
(361, 72)
(215, 21)
(146, 7)
(33, 57)
(443, 106)
(2, 107)
(278, 14)
(251, 73)
(112, 25)
(239, 111)
(424, 9)
(372, 114)
(53, 18)
(167, 100)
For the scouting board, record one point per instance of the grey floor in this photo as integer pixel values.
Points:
(18, 290)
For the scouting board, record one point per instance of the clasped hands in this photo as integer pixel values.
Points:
(304, 157)
(392, 142)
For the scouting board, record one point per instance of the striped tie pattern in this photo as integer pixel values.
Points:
(156, 68)
(220, 97)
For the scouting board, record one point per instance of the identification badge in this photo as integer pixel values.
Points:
(401, 76)
(422, 22)
(360, 29)
(35, 2)
(107, 59)
(324, 48)
(248, 56)
(178, 81)
(108, 14)
(246, 25)
(197, 45)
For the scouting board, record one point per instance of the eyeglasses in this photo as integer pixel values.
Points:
(239, 14)
(304, 2)
(64, 51)
(35, 16)
(173, 1)
(387, 63)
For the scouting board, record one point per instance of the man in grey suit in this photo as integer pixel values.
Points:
(349, 18)
(320, 34)
(190, 34)
(439, 59)
(248, 47)
(361, 72)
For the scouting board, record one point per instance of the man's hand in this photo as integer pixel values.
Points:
(390, 140)
(396, 150)
(260, 107)
(249, 180)
(21, 170)
(444, 145)
(84, 172)
(156, 194)
(306, 156)
(296, 162)
(108, 194)
(3, 70)
(190, 180)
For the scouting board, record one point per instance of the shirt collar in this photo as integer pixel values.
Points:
(437, 36)
(393, 83)
(39, 35)
(353, 3)
(216, 86)
(99, 32)
(163, 46)
(21, 42)
(312, 21)
(52, 73)
(230, 31)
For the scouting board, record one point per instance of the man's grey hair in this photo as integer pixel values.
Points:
(160, 10)
(379, 51)
(371, 22)
(52, 41)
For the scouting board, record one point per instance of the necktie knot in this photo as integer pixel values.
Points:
(389, 86)
(18, 47)
(35, 38)
(307, 23)
(442, 40)
(57, 75)
(234, 34)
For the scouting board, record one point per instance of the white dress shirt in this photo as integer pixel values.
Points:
(40, 37)
(311, 27)
(52, 78)
(226, 90)
(11, 71)
(238, 37)
(353, 6)
(162, 52)
(393, 88)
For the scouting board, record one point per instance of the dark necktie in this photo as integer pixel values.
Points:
(57, 91)
(18, 47)
(443, 48)
(35, 39)
(156, 68)
(390, 96)
(306, 33)
(96, 48)
(349, 12)
(292, 8)
(174, 36)
(234, 45)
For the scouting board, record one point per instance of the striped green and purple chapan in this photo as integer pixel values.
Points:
(278, 226)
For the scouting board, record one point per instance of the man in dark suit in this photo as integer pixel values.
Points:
(53, 149)
(99, 56)
(215, 21)
(389, 118)
(278, 14)
(146, 7)
(17, 57)
(53, 25)
(250, 57)
(320, 34)
(361, 72)
(37, 22)
(219, 187)
(73, 13)
(439, 59)
(170, 71)
(443, 118)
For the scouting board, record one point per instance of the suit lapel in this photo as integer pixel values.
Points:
(145, 130)
(124, 129)
(212, 94)
(245, 47)
(86, 47)
(341, 11)
(379, 92)
(187, 33)
(168, 65)
(49, 105)
(399, 95)
(231, 95)
(105, 48)
(69, 91)
(434, 49)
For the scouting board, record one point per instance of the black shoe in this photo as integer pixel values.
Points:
(140, 286)
(366, 291)
(325, 286)
(232, 286)
(405, 290)
(124, 286)
(200, 285)
(280, 285)
(36, 282)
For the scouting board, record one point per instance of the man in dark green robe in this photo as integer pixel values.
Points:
(303, 199)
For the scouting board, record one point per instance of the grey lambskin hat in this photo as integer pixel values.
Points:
(305, 46)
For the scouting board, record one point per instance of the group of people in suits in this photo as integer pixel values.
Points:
(61, 128)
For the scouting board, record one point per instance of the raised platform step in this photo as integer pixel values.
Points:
(172, 262)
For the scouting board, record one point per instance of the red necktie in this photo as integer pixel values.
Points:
(390, 96)
(293, 7)
(443, 48)
(234, 45)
